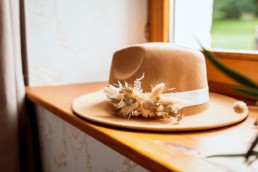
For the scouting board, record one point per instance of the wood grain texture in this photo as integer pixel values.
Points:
(158, 20)
(243, 62)
(171, 151)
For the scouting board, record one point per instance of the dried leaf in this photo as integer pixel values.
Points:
(156, 91)
(115, 100)
(137, 84)
(129, 101)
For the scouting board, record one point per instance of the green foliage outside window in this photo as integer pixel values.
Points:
(235, 24)
(234, 9)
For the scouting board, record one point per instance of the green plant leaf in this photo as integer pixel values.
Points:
(250, 150)
(253, 92)
(249, 88)
(229, 72)
(252, 153)
(227, 155)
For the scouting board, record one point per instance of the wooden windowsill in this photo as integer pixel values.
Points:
(154, 151)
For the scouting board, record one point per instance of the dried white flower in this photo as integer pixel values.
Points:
(136, 113)
(121, 104)
(111, 91)
(119, 85)
(131, 101)
(160, 113)
(147, 104)
(156, 91)
(128, 109)
(160, 107)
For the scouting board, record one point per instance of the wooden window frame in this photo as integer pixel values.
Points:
(158, 20)
(244, 61)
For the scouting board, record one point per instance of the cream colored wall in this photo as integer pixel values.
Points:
(72, 41)
(65, 148)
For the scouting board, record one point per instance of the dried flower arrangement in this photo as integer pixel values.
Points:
(131, 101)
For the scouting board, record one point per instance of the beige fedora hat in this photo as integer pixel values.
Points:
(159, 87)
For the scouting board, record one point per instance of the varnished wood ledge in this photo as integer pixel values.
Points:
(154, 151)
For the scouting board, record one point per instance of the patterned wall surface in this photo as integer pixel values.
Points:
(72, 41)
(66, 148)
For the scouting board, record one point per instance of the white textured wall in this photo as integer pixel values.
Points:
(65, 148)
(72, 41)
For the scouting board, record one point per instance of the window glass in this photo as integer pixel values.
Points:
(222, 24)
(189, 22)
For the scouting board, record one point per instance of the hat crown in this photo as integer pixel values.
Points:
(177, 67)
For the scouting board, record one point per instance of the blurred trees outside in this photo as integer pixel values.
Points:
(235, 24)
(234, 9)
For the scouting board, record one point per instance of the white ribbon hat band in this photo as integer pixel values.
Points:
(190, 98)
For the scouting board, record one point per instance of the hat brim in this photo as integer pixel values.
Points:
(220, 113)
